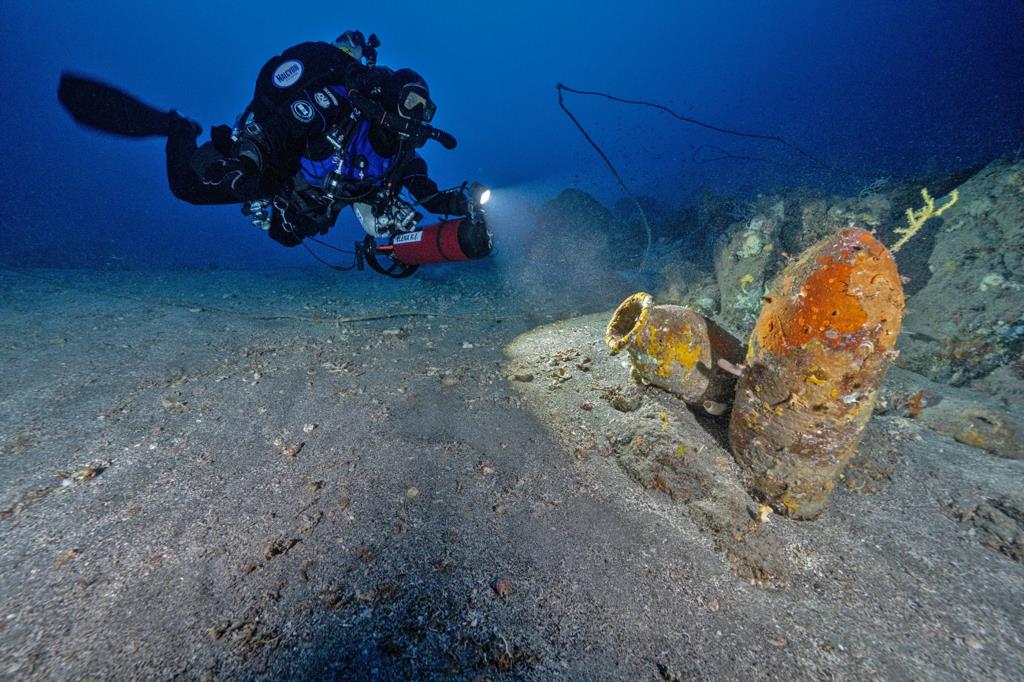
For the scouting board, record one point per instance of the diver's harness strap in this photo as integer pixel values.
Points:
(372, 198)
(335, 184)
(379, 192)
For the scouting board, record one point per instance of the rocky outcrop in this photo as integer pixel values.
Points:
(998, 524)
(748, 257)
(574, 226)
(968, 319)
(965, 306)
(964, 284)
(975, 424)
(686, 282)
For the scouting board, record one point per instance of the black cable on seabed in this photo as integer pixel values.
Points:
(332, 266)
(331, 246)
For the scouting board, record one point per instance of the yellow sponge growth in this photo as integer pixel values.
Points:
(916, 218)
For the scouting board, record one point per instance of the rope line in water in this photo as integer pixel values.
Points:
(694, 121)
(611, 167)
(562, 88)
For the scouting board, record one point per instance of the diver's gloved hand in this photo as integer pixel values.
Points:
(458, 203)
(289, 225)
(221, 138)
(240, 175)
(451, 202)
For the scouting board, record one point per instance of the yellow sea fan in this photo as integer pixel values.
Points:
(916, 218)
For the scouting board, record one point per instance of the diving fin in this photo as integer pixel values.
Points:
(104, 107)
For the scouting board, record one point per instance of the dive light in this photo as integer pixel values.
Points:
(480, 193)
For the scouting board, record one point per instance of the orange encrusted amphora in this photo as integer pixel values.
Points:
(816, 361)
(676, 349)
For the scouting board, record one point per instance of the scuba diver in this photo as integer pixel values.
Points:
(326, 128)
(243, 162)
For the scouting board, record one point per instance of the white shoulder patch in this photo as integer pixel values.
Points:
(288, 73)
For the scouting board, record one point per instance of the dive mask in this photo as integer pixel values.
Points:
(414, 102)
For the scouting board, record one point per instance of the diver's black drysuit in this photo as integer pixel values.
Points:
(299, 97)
(269, 147)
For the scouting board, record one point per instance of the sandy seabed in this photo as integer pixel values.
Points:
(297, 474)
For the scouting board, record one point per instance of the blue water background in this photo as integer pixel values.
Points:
(872, 88)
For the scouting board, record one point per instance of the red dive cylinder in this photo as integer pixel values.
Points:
(451, 240)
